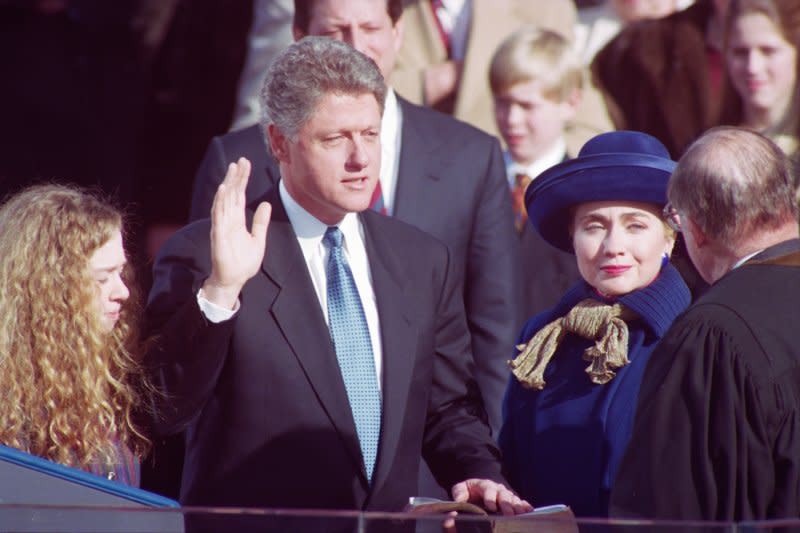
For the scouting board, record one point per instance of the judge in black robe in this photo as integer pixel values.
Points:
(717, 429)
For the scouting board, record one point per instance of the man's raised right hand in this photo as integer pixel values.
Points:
(236, 253)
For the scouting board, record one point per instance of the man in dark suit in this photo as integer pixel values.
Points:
(285, 403)
(718, 422)
(438, 174)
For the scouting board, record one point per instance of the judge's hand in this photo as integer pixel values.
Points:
(492, 496)
(236, 253)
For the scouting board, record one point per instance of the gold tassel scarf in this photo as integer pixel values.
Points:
(605, 324)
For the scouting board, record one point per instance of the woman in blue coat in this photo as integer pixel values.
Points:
(569, 407)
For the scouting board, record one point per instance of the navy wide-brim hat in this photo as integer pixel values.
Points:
(619, 165)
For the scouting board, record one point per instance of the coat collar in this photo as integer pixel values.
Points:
(417, 165)
(657, 304)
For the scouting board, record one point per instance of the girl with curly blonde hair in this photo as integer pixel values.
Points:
(71, 382)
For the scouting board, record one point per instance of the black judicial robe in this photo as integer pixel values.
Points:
(717, 430)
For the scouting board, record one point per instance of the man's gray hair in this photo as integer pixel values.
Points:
(734, 183)
(308, 70)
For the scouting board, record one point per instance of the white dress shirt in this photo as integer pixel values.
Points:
(553, 156)
(391, 125)
(310, 231)
(747, 258)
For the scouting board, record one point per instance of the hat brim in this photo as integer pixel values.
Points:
(597, 178)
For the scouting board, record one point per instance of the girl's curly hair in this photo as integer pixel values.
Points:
(70, 391)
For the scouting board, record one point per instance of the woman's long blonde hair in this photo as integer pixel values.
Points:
(70, 391)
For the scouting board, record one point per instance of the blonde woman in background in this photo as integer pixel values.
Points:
(71, 381)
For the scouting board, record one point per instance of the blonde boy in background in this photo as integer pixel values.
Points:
(536, 80)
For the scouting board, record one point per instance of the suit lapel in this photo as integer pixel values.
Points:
(415, 168)
(295, 309)
(297, 312)
(398, 338)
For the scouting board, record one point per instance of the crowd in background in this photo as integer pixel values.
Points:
(128, 96)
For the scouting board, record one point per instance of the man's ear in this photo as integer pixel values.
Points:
(698, 236)
(399, 31)
(278, 143)
(574, 98)
(569, 107)
(297, 33)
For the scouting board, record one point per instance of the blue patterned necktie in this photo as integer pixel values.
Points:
(353, 347)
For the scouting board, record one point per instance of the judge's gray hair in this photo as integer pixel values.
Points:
(308, 70)
(734, 183)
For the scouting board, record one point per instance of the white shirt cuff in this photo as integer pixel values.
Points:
(213, 312)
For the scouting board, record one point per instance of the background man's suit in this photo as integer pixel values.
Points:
(451, 184)
(261, 397)
(547, 273)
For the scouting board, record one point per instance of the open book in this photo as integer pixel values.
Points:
(549, 519)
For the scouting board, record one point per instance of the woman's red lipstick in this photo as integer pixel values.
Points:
(615, 269)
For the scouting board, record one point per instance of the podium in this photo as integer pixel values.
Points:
(43, 496)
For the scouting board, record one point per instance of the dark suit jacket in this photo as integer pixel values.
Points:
(547, 274)
(261, 397)
(451, 184)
